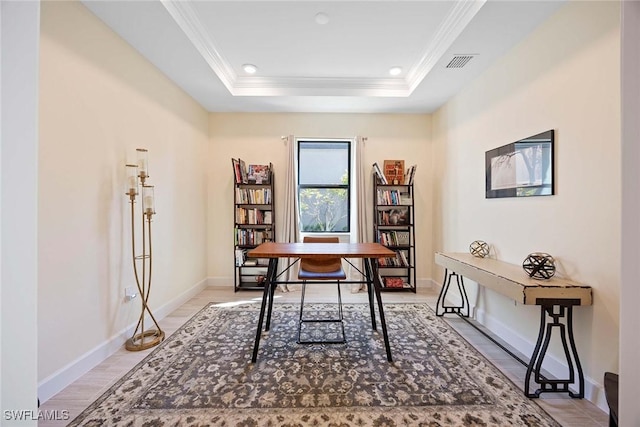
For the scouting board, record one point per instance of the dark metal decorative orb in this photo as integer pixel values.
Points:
(539, 265)
(479, 249)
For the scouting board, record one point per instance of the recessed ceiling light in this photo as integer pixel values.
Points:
(249, 68)
(322, 18)
(394, 71)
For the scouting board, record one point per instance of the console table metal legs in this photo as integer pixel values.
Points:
(553, 313)
(463, 308)
(548, 308)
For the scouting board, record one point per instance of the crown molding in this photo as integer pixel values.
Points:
(187, 19)
(452, 26)
(305, 86)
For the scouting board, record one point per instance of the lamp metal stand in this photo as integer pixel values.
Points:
(143, 339)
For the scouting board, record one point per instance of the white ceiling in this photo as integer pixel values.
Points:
(339, 66)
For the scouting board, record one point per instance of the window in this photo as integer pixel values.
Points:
(324, 182)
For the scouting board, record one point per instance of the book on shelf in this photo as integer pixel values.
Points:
(253, 216)
(239, 171)
(243, 171)
(240, 257)
(399, 261)
(253, 196)
(251, 237)
(378, 174)
(403, 259)
(237, 174)
(394, 282)
(393, 197)
(388, 197)
(409, 175)
(258, 174)
(394, 171)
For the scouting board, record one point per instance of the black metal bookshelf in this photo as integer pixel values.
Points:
(393, 227)
(254, 223)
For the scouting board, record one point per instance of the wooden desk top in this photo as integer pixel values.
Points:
(511, 280)
(319, 250)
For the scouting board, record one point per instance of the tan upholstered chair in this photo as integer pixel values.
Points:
(321, 269)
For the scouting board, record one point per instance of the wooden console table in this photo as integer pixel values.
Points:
(556, 298)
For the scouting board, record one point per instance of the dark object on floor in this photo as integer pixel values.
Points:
(611, 393)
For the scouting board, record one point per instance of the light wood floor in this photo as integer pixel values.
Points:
(76, 397)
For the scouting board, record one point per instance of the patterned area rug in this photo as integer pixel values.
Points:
(202, 376)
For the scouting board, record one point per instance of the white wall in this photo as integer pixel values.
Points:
(565, 76)
(19, 38)
(100, 100)
(629, 411)
(256, 139)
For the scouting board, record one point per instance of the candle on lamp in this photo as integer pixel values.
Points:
(132, 179)
(142, 161)
(143, 166)
(147, 199)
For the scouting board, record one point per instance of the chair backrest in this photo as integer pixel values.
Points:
(321, 265)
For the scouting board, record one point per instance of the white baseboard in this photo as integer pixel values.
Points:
(220, 282)
(66, 375)
(427, 284)
(593, 390)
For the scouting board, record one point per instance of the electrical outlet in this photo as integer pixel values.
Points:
(129, 293)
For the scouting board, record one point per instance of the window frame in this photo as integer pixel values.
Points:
(348, 187)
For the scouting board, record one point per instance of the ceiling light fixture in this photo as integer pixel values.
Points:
(322, 18)
(249, 68)
(394, 71)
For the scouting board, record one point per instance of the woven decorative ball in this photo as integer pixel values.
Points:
(479, 249)
(539, 265)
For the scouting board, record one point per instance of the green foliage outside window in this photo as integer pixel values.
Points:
(325, 209)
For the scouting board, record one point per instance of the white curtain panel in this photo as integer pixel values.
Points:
(363, 225)
(289, 230)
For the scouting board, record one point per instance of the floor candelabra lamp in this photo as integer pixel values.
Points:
(137, 176)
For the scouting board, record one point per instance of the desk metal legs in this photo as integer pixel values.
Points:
(550, 319)
(373, 290)
(267, 298)
(368, 273)
(548, 307)
(441, 306)
(373, 280)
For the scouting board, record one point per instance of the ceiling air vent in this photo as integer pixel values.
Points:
(459, 61)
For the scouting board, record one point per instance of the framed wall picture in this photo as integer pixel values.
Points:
(521, 169)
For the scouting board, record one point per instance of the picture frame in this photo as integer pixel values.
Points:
(394, 171)
(258, 174)
(521, 169)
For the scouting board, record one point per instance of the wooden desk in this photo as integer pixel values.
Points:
(555, 296)
(368, 251)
